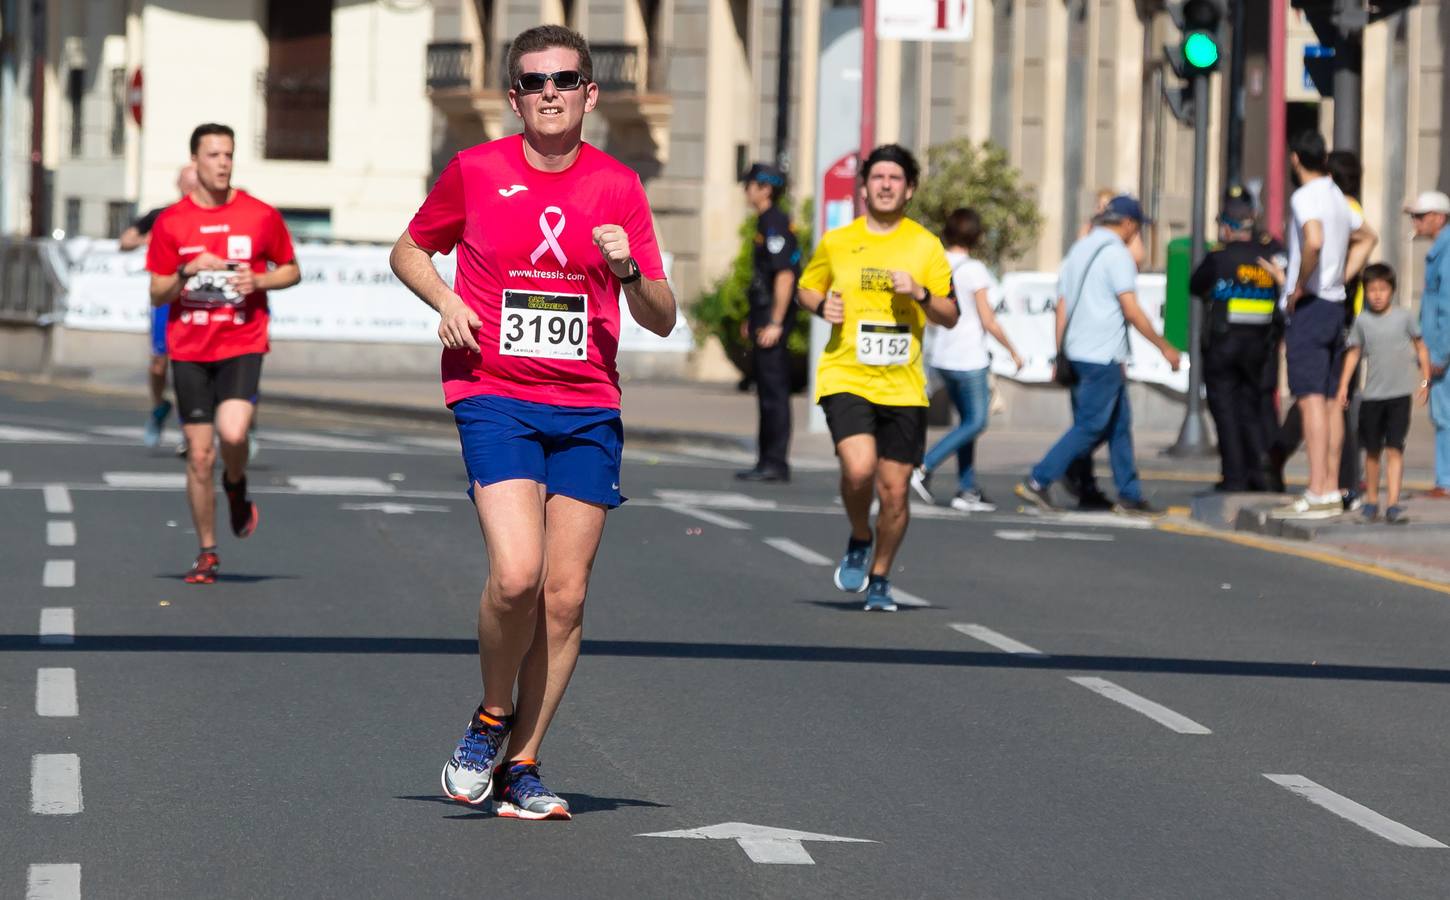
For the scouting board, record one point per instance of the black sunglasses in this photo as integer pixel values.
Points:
(534, 82)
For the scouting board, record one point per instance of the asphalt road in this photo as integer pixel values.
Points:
(1198, 719)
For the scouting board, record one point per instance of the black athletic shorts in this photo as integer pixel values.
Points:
(900, 431)
(1384, 423)
(200, 386)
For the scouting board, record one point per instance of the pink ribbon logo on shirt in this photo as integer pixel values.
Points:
(551, 237)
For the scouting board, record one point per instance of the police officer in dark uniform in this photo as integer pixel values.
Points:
(1239, 338)
(772, 310)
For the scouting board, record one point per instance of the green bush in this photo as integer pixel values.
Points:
(962, 173)
(721, 309)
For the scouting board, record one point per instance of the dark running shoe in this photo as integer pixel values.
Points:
(1096, 501)
(1041, 497)
(1140, 508)
(519, 794)
(244, 513)
(204, 570)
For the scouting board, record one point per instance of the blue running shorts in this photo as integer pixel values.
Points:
(574, 451)
(159, 317)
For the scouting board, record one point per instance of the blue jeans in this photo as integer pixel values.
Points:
(971, 396)
(1100, 412)
(1440, 415)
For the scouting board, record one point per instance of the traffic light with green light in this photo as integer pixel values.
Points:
(1197, 51)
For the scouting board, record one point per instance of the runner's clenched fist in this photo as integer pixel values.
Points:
(613, 243)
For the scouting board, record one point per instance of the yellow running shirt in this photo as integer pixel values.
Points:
(876, 352)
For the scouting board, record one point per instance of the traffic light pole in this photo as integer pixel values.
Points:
(1348, 63)
(1193, 436)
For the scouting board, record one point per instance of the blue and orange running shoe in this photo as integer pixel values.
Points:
(854, 567)
(468, 775)
(519, 794)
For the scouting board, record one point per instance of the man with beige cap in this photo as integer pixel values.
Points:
(1430, 212)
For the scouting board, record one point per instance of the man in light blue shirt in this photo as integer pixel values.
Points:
(1430, 213)
(1097, 302)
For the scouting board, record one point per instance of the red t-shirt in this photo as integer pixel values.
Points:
(209, 322)
(528, 266)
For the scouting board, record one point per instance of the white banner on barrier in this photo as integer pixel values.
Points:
(347, 293)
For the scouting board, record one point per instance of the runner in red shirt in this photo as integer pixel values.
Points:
(547, 229)
(209, 258)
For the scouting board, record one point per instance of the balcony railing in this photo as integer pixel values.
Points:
(450, 65)
(616, 67)
(297, 105)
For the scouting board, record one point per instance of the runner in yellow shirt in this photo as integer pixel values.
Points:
(878, 281)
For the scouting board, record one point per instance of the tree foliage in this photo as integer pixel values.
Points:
(980, 176)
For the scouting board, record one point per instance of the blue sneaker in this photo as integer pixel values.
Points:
(156, 424)
(519, 794)
(851, 573)
(878, 597)
(468, 775)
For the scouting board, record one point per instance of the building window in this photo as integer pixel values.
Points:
(297, 84)
(75, 89)
(72, 216)
(308, 224)
(119, 108)
(119, 216)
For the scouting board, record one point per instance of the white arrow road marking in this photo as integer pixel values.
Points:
(706, 516)
(55, 693)
(55, 784)
(997, 639)
(393, 509)
(326, 484)
(715, 499)
(58, 625)
(1155, 711)
(326, 441)
(5, 478)
(57, 499)
(1033, 534)
(1105, 519)
(59, 573)
(53, 881)
(163, 480)
(20, 435)
(772, 846)
(1360, 815)
(60, 533)
(804, 554)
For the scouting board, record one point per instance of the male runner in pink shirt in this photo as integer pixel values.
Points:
(547, 230)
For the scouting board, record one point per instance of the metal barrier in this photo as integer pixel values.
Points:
(32, 283)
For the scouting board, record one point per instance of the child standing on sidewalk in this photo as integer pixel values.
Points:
(1387, 337)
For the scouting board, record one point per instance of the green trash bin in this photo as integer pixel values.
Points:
(1176, 310)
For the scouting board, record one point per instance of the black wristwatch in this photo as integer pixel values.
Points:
(634, 274)
(925, 297)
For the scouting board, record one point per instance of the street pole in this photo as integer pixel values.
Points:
(1235, 161)
(1278, 116)
(39, 201)
(782, 91)
(1193, 436)
(1348, 63)
(868, 76)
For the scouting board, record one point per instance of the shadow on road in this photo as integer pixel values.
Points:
(233, 578)
(578, 804)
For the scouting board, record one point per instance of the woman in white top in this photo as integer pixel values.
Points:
(959, 356)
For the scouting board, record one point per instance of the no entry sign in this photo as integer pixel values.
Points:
(924, 20)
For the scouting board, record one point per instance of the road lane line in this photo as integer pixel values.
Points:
(53, 881)
(60, 533)
(15, 434)
(55, 784)
(59, 573)
(804, 554)
(161, 480)
(55, 693)
(58, 625)
(902, 598)
(707, 516)
(1155, 711)
(1359, 814)
(5, 479)
(327, 484)
(997, 639)
(57, 499)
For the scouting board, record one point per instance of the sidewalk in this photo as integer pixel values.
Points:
(720, 417)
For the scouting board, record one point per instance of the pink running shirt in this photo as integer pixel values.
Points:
(525, 238)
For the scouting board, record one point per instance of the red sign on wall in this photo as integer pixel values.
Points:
(133, 96)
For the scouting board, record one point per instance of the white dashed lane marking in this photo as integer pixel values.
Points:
(1155, 711)
(903, 598)
(15, 434)
(1359, 814)
(55, 784)
(997, 639)
(323, 484)
(5, 479)
(55, 693)
(58, 625)
(706, 516)
(57, 499)
(59, 573)
(60, 533)
(792, 549)
(165, 480)
(53, 881)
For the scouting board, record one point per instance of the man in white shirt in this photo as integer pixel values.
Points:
(1329, 243)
